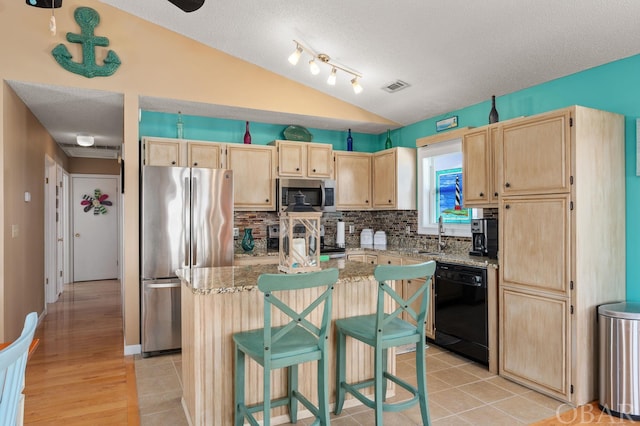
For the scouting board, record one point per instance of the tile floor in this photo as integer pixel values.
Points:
(461, 392)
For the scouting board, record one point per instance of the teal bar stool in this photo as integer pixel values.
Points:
(383, 331)
(296, 342)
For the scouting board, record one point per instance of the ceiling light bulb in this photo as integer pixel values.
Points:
(84, 140)
(313, 67)
(332, 77)
(295, 56)
(356, 86)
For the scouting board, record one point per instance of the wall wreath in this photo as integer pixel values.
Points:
(97, 202)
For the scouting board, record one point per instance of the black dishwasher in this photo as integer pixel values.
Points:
(461, 310)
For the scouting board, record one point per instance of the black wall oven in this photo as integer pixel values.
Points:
(461, 310)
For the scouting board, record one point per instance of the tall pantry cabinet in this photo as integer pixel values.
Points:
(562, 246)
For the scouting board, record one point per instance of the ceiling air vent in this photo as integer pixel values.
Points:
(395, 86)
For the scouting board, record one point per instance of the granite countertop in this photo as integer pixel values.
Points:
(419, 254)
(231, 279)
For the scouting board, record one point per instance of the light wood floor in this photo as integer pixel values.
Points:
(78, 375)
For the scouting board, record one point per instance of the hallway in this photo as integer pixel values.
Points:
(77, 375)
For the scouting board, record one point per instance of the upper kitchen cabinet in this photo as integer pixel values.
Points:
(562, 246)
(162, 152)
(394, 179)
(253, 176)
(479, 167)
(208, 155)
(353, 180)
(536, 154)
(182, 153)
(304, 159)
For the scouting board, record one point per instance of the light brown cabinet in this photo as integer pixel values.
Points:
(394, 179)
(162, 152)
(208, 155)
(253, 176)
(304, 159)
(385, 259)
(536, 154)
(562, 200)
(479, 174)
(363, 257)
(353, 180)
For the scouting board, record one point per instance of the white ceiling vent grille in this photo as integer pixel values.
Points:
(395, 86)
(95, 151)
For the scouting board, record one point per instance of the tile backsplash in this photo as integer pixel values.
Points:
(393, 222)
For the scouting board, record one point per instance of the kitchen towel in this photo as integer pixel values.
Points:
(340, 234)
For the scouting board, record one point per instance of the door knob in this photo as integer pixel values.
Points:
(77, 235)
(59, 239)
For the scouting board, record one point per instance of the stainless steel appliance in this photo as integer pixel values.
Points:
(186, 221)
(320, 193)
(461, 314)
(484, 238)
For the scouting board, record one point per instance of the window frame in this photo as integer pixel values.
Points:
(431, 228)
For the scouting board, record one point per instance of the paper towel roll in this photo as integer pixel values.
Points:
(340, 235)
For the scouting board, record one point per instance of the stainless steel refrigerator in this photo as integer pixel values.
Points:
(186, 221)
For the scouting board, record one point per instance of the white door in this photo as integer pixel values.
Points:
(61, 213)
(95, 227)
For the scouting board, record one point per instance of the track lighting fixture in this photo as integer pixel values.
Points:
(356, 85)
(325, 59)
(295, 56)
(332, 77)
(313, 67)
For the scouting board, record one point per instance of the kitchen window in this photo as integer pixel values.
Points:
(440, 190)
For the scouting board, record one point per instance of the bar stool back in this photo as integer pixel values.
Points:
(387, 330)
(296, 342)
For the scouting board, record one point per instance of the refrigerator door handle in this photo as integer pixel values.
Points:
(194, 207)
(186, 222)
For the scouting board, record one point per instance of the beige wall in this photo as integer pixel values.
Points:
(98, 166)
(155, 62)
(25, 144)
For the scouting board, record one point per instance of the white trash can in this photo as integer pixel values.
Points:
(619, 325)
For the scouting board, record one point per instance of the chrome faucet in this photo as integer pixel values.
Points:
(441, 243)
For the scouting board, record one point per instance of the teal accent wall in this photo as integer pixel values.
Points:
(161, 124)
(611, 87)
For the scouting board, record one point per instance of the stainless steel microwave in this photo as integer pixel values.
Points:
(320, 193)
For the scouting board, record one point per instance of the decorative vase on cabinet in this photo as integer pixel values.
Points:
(247, 135)
(349, 141)
(388, 144)
(493, 114)
(247, 240)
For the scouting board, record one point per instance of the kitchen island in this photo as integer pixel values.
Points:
(218, 302)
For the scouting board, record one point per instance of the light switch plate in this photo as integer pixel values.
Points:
(236, 232)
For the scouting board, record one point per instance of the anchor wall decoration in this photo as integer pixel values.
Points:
(87, 19)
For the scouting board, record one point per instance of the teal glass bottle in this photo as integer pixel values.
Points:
(349, 141)
(388, 144)
(247, 241)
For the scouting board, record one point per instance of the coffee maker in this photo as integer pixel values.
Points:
(484, 238)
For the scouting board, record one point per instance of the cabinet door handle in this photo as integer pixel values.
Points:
(495, 194)
(389, 201)
(173, 163)
(482, 194)
(267, 200)
(195, 164)
(507, 184)
(507, 206)
(297, 169)
(314, 170)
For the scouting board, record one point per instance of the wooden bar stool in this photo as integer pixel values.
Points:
(383, 331)
(296, 342)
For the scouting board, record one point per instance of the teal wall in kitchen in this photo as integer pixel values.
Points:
(612, 87)
(223, 130)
